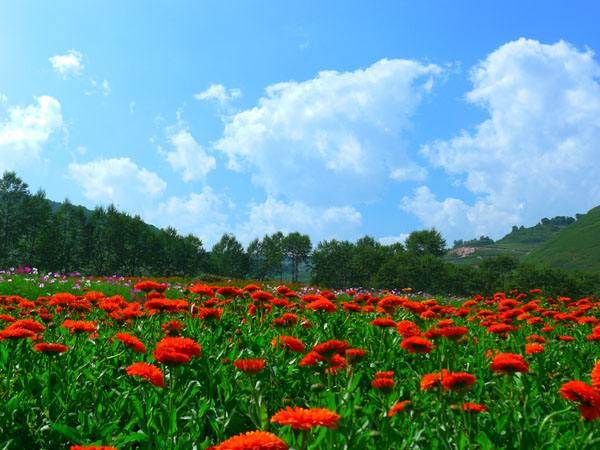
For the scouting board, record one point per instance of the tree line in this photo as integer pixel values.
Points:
(65, 238)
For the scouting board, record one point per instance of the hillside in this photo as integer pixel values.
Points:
(520, 242)
(575, 247)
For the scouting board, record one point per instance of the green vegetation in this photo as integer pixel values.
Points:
(519, 243)
(575, 247)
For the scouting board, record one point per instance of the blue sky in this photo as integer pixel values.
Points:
(336, 119)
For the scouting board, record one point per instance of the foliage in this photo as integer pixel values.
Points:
(351, 376)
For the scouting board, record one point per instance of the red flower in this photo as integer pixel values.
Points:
(458, 381)
(383, 322)
(132, 342)
(322, 305)
(355, 354)
(471, 407)
(92, 447)
(305, 419)
(311, 359)
(149, 372)
(417, 344)
(431, 380)
(596, 376)
(406, 328)
(79, 326)
(530, 349)
(176, 350)
(28, 324)
(398, 407)
(250, 366)
(210, 313)
(454, 333)
(328, 348)
(16, 333)
(585, 395)
(253, 440)
(44, 347)
(149, 285)
(289, 343)
(383, 384)
(509, 363)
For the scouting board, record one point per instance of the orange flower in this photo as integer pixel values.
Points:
(250, 366)
(132, 342)
(417, 344)
(289, 343)
(149, 372)
(253, 440)
(432, 380)
(398, 407)
(509, 363)
(44, 347)
(305, 419)
(586, 396)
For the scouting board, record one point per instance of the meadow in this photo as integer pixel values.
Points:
(177, 363)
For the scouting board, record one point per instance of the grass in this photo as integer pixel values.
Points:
(84, 396)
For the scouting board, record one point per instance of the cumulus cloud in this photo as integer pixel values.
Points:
(537, 153)
(26, 130)
(320, 223)
(68, 65)
(119, 181)
(330, 138)
(219, 93)
(202, 214)
(187, 156)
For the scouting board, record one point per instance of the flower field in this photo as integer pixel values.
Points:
(179, 364)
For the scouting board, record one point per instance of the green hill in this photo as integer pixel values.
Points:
(520, 242)
(575, 247)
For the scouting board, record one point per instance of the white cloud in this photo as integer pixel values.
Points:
(219, 93)
(330, 138)
(201, 214)
(26, 130)
(98, 87)
(3, 99)
(119, 181)
(410, 172)
(320, 223)
(536, 155)
(389, 240)
(187, 157)
(131, 107)
(67, 65)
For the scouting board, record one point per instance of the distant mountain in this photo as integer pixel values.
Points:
(520, 242)
(575, 247)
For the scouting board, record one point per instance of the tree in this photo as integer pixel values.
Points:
(272, 247)
(332, 264)
(228, 257)
(297, 248)
(14, 196)
(426, 242)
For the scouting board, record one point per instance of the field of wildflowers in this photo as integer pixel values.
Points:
(179, 364)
